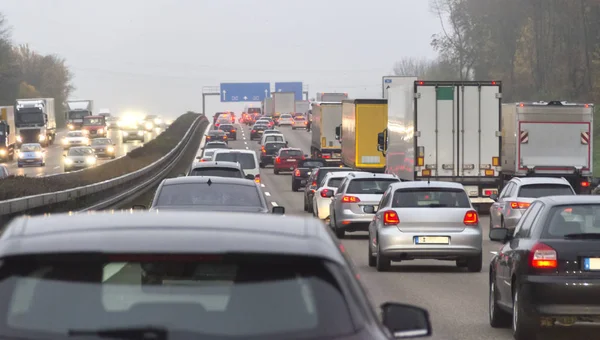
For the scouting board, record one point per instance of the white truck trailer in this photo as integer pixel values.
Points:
(446, 130)
(331, 97)
(302, 106)
(76, 111)
(549, 139)
(324, 142)
(267, 107)
(35, 121)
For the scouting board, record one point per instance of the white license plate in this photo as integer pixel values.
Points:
(374, 207)
(432, 240)
(591, 263)
(291, 160)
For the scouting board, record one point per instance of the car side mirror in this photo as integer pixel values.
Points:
(329, 193)
(138, 207)
(250, 176)
(500, 235)
(369, 209)
(406, 321)
(494, 197)
(278, 210)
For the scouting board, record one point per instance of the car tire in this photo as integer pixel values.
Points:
(113, 157)
(475, 263)
(372, 259)
(305, 204)
(498, 317)
(382, 263)
(43, 164)
(261, 165)
(310, 208)
(523, 323)
(276, 172)
(294, 186)
(19, 165)
(339, 233)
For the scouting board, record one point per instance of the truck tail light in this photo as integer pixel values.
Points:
(350, 199)
(390, 217)
(471, 218)
(519, 205)
(543, 256)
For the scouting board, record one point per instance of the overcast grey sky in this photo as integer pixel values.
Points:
(156, 55)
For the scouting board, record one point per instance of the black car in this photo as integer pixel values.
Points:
(269, 151)
(257, 131)
(313, 182)
(230, 130)
(216, 135)
(548, 271)
(304, 170)
(267, 282)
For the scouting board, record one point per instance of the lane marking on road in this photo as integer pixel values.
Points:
(262, 185)
(57, 167)
(246, 143)
(267, 193)
(274, 204)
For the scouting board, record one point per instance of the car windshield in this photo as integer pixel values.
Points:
(75, 134)
(227, 127)
(31, 147)
(101, 141)
(274, 138)
(242, 296)
(573, 219)
(430, 198)
(542, 190)
(286, 116)
(208, 153)
(216, 194)
(246, 160)
(290, 153)
(375, 186)
(311, 164)
(299, 118)
(270, 132)
(216, 133)
(217, 172)
(80, 151)
(93, 121)
(335, 182)
(323, 172)
(216, 146)
(274, 146)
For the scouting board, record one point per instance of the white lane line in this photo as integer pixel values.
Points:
(246, 148)
(267, 193)
(262, 185)
(245, 142)
(274, 204)
(57, 167)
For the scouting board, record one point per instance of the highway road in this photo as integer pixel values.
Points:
(54, 160)
(456, 300)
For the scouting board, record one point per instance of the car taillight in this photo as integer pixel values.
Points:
(277, 160)
(232, 131)
(324, 193)
(303, 158)
(326, 156)
(224, 137)
(390, 217)
(257, 178)
(519, 205)
(207, 137)
(350, 199)
(313, 184)
(217, 125)
(543, 256)
(305, 123)
(263, 150)
(471, 218)
(585, 184)
(297, 173)
(202, 160)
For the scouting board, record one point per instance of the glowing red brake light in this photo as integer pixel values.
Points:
(390, 217)
(314, 184)
(253, 130)
(324, 193)
(257, 178)
(350, 199)
(297, 173)
(543, 256)
(471, 218)
(585, 184)
(519, 205)
(278, 160)
(232, 130)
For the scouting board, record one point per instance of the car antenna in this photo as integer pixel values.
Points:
(428, 180)
(209, 182)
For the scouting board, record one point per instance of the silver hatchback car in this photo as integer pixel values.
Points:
(358, 192)
(425, 220)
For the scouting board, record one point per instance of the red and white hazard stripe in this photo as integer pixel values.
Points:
(585, 138)
(524, 137)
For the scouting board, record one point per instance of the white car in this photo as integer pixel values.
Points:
(206, 156)
(75, 138)
(246, 158)
(286, 119)
(322, 197)
(273, 137)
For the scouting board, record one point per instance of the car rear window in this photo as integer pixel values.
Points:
(575, 220)
(260, 127)
(217, 172)
(299, 118)
(226, 127)
(311, 164)
(542, 190)
(273, 138)
(246, 160)
(274, 146)
(323, 172)
(216, 146)
(290, 153)
(216, 133)
(216, 194)
(238, 296)
(376, 186)
(286, 116)
(430, 198)
(335, 182)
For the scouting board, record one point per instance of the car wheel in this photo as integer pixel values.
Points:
(382, 263)
(523, 324)
(261, 165)
(276, 172)
(475, 263)
(372, 259)
(305, 204)
(340, 233)
(43, 164)
(498, 317)
(20, 165)
(294, 186)
(310, 208)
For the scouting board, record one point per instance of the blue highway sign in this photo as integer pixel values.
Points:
(295, 87)
(244, 92)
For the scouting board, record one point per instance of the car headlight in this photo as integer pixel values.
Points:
(149, 125)
(125, 134)
(169, 122)
(21, 155)
(68, 161)
(86, 141)
(42, 137)
(65, 142)
(2, 152)
(157, 121)
(100, 130)
(71, 126)
(140, 133)
(90, 160)
(110, 149)
(38, 154)
(19, 139)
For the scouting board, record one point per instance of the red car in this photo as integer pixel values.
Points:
(287, 159)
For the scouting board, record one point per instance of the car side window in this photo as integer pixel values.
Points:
(524, 225)
(509, 190)
(385, 199)
(343, 185)
(506, 190)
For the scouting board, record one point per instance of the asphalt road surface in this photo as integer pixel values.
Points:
(54, 158)
(456, 300)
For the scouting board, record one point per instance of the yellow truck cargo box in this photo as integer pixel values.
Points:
(362, 120)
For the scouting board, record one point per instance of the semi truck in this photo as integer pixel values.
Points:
(324, 143)
(283, 102)
(302, 106)
(35, 121)
(7, 133)
(362, 119)
(447, 131)
(331, 97)
(549, 139)
(387, 82)
(76, 110)
(267, 107)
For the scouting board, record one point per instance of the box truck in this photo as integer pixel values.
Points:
(35, 121)
(76, 111)
(326, 118)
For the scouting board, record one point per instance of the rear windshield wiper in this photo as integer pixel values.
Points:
(594, 236)
(129, 333)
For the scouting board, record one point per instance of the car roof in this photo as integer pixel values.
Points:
(570, 199)
(235, 151)
(364, 174)
(168, 231)
(79, 147)
(216, 164)
(205, 179)
(215, 142)
(340, 174)
(540, 180)
(426, 184)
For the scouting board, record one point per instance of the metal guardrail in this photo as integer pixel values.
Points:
(23, 204)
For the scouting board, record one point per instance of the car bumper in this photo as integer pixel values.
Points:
(322, 207)
(30, 161)
(394, 243)
(351, 221)
(285, 167)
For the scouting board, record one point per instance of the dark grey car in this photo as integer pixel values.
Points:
(185, 275)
